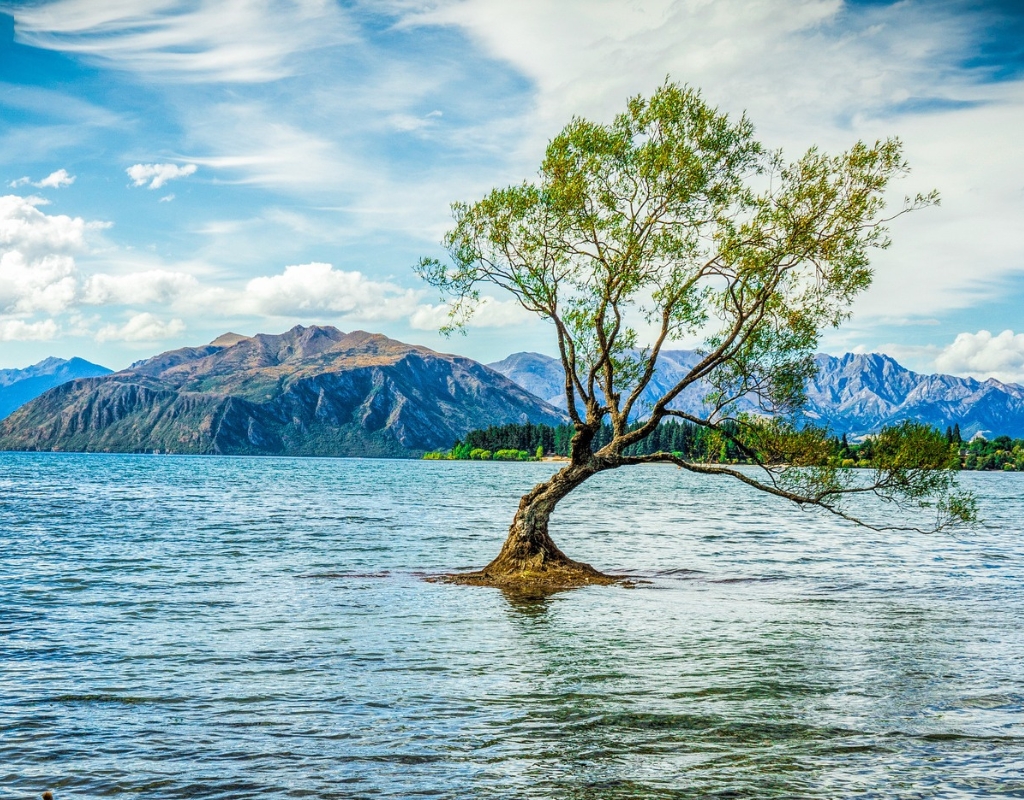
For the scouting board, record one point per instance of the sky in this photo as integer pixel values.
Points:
(170, 171)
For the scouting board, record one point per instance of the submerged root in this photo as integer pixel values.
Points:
(536, 578)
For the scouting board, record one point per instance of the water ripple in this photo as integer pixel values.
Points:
(187, 627)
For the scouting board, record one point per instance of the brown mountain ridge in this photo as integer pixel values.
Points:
(309, 391)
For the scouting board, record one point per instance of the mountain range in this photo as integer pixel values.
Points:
(318, 391)
(18, 386)
(309, 391)
(855, 394)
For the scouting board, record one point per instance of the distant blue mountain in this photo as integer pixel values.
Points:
(18, 386)
(854, 394)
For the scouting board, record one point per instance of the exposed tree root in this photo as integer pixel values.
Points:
(549, 578)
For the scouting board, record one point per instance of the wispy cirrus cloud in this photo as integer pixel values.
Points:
(251, 143)
(822, 71)
(319, 125)
(244, 41)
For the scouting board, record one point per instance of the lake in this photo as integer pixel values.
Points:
(259, 627)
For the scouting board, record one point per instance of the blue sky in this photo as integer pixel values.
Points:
(173, 170)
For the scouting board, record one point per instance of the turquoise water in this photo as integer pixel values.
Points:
(232, 627)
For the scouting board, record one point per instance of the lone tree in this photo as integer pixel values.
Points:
(676, 217)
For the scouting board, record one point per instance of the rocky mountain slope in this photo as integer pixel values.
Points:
(309, 391)
(863, 393)
(18, 386)
(854, 394)
(542, 375)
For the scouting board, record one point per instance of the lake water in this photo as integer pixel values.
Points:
(240, 627)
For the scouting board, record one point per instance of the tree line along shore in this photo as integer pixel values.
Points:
(533, 442)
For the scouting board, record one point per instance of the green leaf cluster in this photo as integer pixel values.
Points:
(675, 220)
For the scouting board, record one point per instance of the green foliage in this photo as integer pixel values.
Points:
(674, 216)
(511, 455)
(466, 451)
(1001, 453)
(691, 441)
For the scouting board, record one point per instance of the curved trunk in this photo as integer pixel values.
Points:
(529, 549)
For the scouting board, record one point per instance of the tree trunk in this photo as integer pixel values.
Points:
(529, 554)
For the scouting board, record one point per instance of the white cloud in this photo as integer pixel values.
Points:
(351, 131)
(819, 71)
(167, 198)
(408, 123)
(143, 327)
(490, 313)
(16, 330)
(43, 284)
(55, 180)
(138, 288)
(243, 41)
(25, 228)
(39, 273)
(273, 145)
(817, 60)
(156, 175)
(317, 288)
(37, 268)
(982, 355)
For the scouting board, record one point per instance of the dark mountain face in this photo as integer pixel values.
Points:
(854, 394)
(309, 391)
(18, 386)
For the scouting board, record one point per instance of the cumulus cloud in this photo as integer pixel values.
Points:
(156, 175)
(982, 355)
(39, 275)
(16, 330)
(25, 228)
(319, 288)
(37, 268)
(43, 284)
(135, 288)
(490, 313)
(144, 327)
(54, 180)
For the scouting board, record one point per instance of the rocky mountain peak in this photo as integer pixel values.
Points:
(228, 339)
(308, 391)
